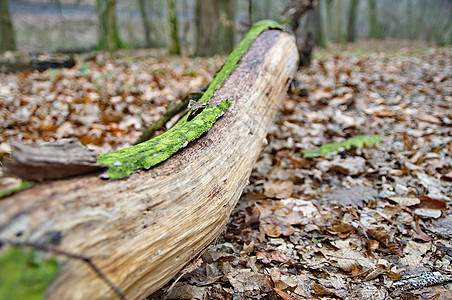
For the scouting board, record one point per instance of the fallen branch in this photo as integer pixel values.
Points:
(140, 231)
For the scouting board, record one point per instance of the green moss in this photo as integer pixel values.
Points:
(145, 155)
(233, 58)
(357, 141)
(22, 186)
(23, 275)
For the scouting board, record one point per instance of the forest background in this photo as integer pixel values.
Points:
(82, 25)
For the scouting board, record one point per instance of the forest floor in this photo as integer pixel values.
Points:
(348, 225)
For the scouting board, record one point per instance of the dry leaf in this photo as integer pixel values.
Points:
(270, 256)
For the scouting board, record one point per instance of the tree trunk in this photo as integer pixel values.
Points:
(108, 34)
(141, 231)
(206, 22)
(375, 29)
(172, 22)
(351, 26)
(314, 26)
(226, 25)
(7, 37)
(146, 23)
(214, 21)
(340, 36)
(321, 24)
(329, 19)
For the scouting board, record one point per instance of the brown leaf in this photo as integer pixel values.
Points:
(427, 202)
(386, 239)
(320, 290)
(384, 113)
(420, 234)
(278, 189)
(273, 255)
(405, 201)
(281, 293)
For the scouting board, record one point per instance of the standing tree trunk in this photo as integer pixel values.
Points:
(340, 36)
(206, 21)
(172, 21)
(7, 37)
(146, 23)
(375, 29)
(351, 26)
(321, 25)
(108, 34)
(214, 22)
(329, 19)
(226, 25)
(314, 26)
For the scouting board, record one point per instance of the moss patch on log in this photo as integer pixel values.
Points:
(24, 275)
(147, 154)
(21, 186)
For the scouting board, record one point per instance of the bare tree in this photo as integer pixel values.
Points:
(226, 26)
(214, 21)
(375, 29)
(146, 23)
(351, 26)
(173, 25)
(7, 36)
(108, 34)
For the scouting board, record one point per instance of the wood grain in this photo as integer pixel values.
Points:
(142, 230)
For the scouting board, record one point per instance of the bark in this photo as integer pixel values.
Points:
(340, 36)
(206, 22)
(293, 12)
(172, 22)
(375, 29)
(214, 21)
(7, 36)
(146, 23)
(314, 26)
(108, 34)
(320, 25)
(226, 26)
(351, 26)
(141, 231)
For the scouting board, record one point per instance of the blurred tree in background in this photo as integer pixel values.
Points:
(108, 33)
(214, 22)
(146, 23)
(7, 37)
(174, 47)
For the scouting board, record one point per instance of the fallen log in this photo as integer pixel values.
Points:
(126, 238)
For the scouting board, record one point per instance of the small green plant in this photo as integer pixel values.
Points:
(84, 69)
(358, 141)
(191, 73)
(54, 73)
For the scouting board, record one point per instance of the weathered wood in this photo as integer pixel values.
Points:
(60, 159)
(142, 230)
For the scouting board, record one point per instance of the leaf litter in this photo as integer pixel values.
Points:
(369, 218)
